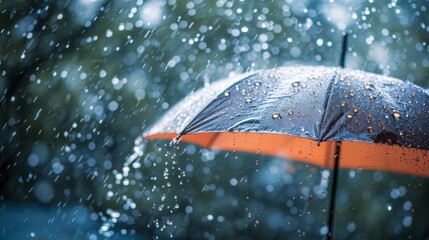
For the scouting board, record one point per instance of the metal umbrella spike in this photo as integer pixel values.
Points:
(316, 115)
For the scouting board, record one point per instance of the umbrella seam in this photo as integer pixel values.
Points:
(325, 105)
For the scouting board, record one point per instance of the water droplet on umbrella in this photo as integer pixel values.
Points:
(226, 93)
(296, 90)
(349, 115)
(295, 84)
(369, 86)
(396, 114)
(355, 110)
(352, 93)
(258, 83)
(370, 130)
(290, 112)
(248, 100)
(276, 115)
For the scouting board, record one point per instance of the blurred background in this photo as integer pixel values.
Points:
(81, 79)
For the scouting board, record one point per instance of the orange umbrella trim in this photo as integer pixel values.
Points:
(353, 155)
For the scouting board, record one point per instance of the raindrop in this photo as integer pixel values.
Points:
(355, 110)
(233, 182)
(351, 227)
(389, 207)
(369, 86)
(349, 115)
(396, 114)
(370, 130)
(248, 100)
(296, 90)
(276, 115)
(295, 84)
(258, 83)
(407, 221)
(324, 230)
(290, 112)
(226, 93)
(352, 94)
(407, 206)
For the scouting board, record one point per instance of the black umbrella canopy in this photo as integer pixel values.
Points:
(318, 105)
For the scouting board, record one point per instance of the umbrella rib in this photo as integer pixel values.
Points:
(328, 96)
(213, 139)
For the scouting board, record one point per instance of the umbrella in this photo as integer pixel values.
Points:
(327, 116)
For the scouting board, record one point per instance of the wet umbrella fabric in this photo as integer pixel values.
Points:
(302, 112)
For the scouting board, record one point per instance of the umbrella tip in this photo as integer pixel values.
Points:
(344, 51)
(176, 140)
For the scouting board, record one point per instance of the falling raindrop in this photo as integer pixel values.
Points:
(389, 207)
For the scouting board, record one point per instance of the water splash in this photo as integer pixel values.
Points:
(144, 181)
(112, 217)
